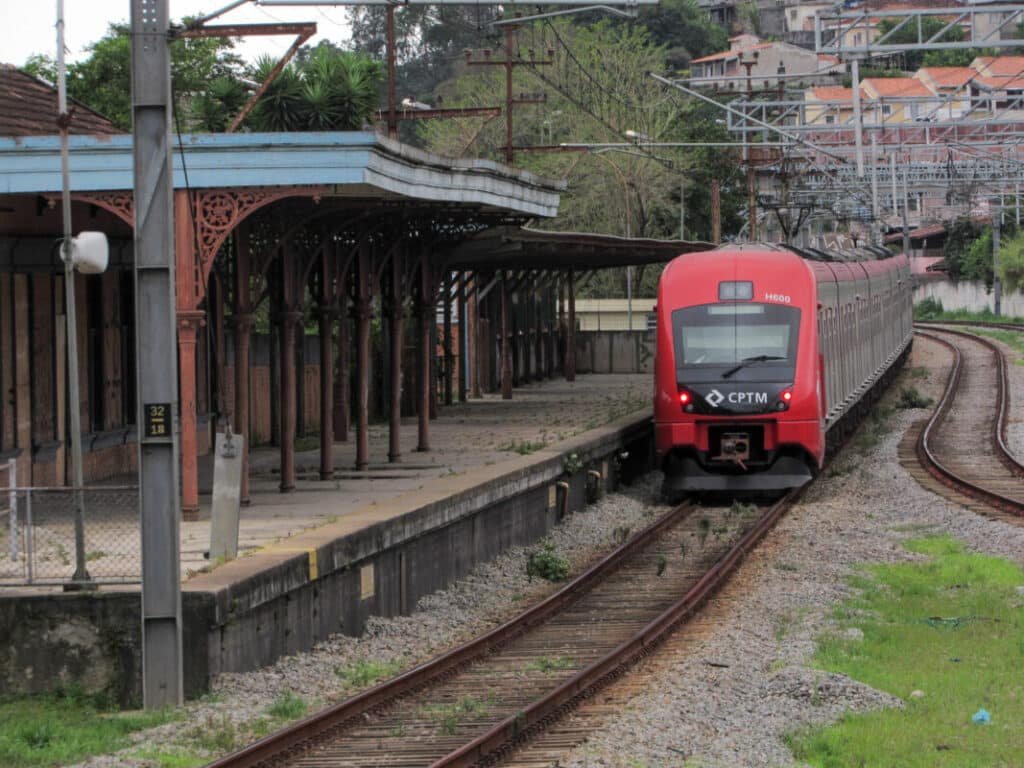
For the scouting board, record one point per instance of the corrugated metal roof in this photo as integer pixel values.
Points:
(28, 107)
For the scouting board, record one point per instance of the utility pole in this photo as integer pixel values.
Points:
(716, 211)
(682, 209)
(906, 215)
(875, 233)
(997, 284)
(858, 116)
(748, 62)
(392, 117)
(509, 64)
(157, 382)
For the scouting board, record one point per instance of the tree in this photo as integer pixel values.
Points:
(596, 88)
(684, 29)
(327, 91)
(1011, 262)
(103, 80)
(930, 26)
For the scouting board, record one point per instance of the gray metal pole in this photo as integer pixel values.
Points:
(81, 575)
(858, 117)
(906, 214)
(892, 176)
(875, 233)
(629, 285)
(997, 284)
(155, 346)
(682, 209)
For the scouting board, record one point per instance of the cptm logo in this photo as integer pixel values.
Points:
(714, 398)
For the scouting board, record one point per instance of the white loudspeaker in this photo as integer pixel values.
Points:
(90, 253)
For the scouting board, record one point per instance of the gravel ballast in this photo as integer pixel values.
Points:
(762, 626)
(491, 594)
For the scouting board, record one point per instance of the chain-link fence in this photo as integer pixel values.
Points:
(38, 536)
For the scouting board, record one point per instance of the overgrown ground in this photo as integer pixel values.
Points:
(946, 634)
(61, 729)
(932, 310)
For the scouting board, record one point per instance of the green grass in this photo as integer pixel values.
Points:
(360, 674)
(288, 707)
(951, 626)
(448, 717)
(548, 664)
(522, 447)
(162, 759)
(932, 310)
(62, 729)
(1012, 339)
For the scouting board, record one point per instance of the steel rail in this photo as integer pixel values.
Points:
(490, 747)
(928, 456)
(300, 736)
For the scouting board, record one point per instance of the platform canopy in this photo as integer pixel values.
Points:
(355, 165)
(510, 247)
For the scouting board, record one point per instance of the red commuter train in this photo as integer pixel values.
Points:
(767, 353)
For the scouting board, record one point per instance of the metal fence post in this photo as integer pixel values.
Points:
(12, 506)
(29, 548)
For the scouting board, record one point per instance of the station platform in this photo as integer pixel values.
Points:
(488, 435)
(325, 557)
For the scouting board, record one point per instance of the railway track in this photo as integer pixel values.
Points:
(962, 446)
(476, 704)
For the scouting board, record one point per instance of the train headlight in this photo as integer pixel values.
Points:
(686, 401)
(784, 400)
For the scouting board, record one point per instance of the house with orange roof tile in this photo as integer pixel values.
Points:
(953, 85)
(828, 105)
(896, 100)
(727, 70)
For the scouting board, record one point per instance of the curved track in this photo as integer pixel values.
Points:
(963, 443)
(477, 703)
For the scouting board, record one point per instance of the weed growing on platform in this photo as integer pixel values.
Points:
(545, 563)
(522, 447)
(360, 674)
(288, 707)
(950, 627)
(910, 397)
(65, 728)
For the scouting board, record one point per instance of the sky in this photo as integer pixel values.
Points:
(28, 26)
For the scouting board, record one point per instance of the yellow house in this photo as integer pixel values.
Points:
(828, 105)
(896, 100)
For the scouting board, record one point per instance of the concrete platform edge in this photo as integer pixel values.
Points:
(283, 599)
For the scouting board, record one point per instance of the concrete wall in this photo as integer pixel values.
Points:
(249, 612)
(968, 295)
(615, 351)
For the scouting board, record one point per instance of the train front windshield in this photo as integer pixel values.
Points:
(712, 339)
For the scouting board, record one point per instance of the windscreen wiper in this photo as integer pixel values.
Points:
(748, 360)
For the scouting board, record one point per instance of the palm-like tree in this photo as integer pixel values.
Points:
(329, 91)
